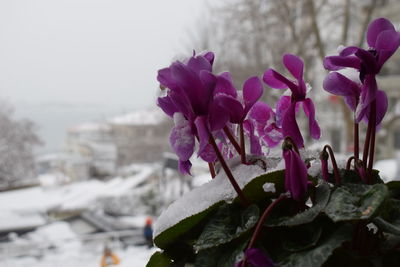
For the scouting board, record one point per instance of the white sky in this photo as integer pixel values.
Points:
(90, 51)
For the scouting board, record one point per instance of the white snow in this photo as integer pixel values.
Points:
(388, 169)
(142, 117)
(206, 195)
(73, 196)
(13, 220)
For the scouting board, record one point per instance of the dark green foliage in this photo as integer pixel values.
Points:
(228, 223)
(356, 202)
(333, 231)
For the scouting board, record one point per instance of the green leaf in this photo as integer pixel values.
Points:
(254, 189)
(184, 227)
(350, 176)
(301, 237)
(159, 259)
(322, 194)
(356, 202)
(222, 256)
(389, 219)
(318, 255)
(228, 223)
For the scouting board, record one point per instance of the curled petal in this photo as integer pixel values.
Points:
(182, 103)
(166, 104)
(184, 166)
(255, 147)
(199, 63)
(338, 84)
(387, 44)
(340, 62)
(232, 106)
(368, 94)
(347, 51)
(290, 126)
(225, 86)
(208, 154)
(261, 112)
(165, 78)
(294, 65)
(209, 56)
(218, 117)
(282, 106)
(202, 132)
(271, 135)
(309, 110)
(193, 87)
(375, 28)
(381, 106)
(181, 138)
(252, 91)
(272, 82)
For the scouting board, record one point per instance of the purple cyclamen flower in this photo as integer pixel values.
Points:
(191, 87)
(383, 41)
(235, 104)
(263, 118)
(256, 258)
(296, 181)
(287, 106)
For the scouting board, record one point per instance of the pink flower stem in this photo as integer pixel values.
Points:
(212, 169)
(366, 145)
(372, 141)
(228, 172)
(356, 141)
(334, 164)
(232, 139)
(348, 165)
(242, 144)
(260, 223)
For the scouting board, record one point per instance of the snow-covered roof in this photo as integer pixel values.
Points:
(141, 117)
(13, 221)
(73, 196)
(89, 127)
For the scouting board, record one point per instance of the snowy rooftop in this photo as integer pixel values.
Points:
(142, 117)
(89, 127)
(73, 196)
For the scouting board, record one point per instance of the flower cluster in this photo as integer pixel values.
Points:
(211, 116)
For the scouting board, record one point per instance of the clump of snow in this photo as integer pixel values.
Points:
(56, 232)
(269, 187)
(387, 168)
(208, 194)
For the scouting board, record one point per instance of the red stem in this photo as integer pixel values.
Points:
(334, 164)
(212, 169)
(356, 141)
(228, 172)
(260, 223)
(242, 144)
(348, 165)
(232, 139)
(372, 141)
(366, 144)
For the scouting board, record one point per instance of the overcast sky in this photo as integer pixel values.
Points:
(67, 62)
(90, 51)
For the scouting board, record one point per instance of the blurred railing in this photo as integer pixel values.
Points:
(89, 243)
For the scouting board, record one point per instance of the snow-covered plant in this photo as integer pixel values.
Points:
(260, 210)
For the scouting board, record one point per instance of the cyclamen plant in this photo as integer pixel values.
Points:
(288, 211)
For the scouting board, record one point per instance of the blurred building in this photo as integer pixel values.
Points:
(140, 136)
(91, 150)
